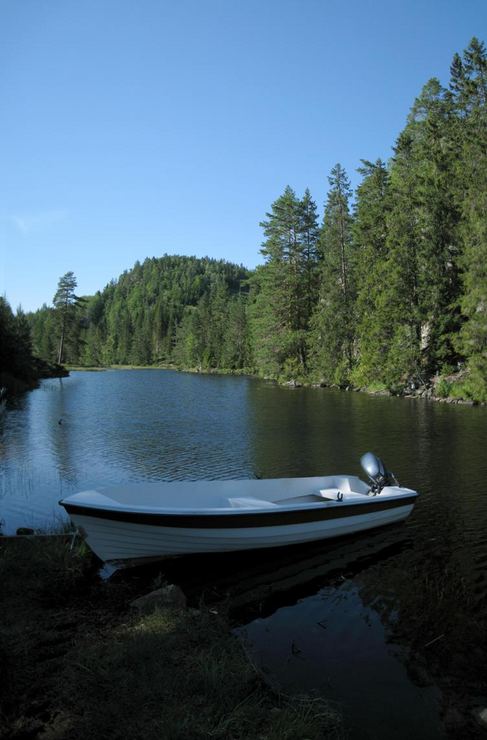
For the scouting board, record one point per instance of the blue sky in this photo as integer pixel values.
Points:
(131, 128)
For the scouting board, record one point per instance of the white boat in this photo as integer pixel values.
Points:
(156, 520)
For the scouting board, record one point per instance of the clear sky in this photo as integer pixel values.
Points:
(131, 128)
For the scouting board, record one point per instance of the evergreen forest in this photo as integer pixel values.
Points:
(20, 368)
(386, 288)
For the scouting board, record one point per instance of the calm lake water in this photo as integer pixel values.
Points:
(331, 617)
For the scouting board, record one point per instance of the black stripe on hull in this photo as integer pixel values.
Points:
(240, 519)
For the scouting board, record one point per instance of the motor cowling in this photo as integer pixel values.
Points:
(377, 472)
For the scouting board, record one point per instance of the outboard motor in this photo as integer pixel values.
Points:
(377, 472)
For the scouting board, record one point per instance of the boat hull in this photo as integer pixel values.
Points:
(118, 536)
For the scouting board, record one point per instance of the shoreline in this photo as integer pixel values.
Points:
(81, 659)
(168, 665)
(43, 370)
(424, 393)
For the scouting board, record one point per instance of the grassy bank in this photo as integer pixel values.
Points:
(78, 663)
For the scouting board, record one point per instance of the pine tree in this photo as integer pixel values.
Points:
(65, 302)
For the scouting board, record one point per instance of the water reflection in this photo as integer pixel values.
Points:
(375, 593)
(336, 645)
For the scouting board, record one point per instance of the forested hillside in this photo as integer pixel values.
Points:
(387, 288)
(171, 309)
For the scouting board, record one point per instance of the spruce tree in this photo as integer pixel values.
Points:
(236, 352)
(419, 287)
(469, 88)
(280, 308)
(436, 155)
(309, 235)
(332, 340)
(17, 362)
(373, 334)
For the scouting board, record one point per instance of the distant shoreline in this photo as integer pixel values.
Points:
(424, 393)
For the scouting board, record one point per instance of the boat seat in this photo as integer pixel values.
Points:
(250, 503)
(332, 493)
(329, 493)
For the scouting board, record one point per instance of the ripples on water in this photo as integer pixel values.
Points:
(110, 427)
(118, 426)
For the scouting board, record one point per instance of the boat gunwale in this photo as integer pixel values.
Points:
(245, 517)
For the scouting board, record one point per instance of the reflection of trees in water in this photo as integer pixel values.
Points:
(310, 628)
(59, 432)
(302, 432)
(416, 606)
(310, 431)
(432, 605)
(35, 458)
(12, 428)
